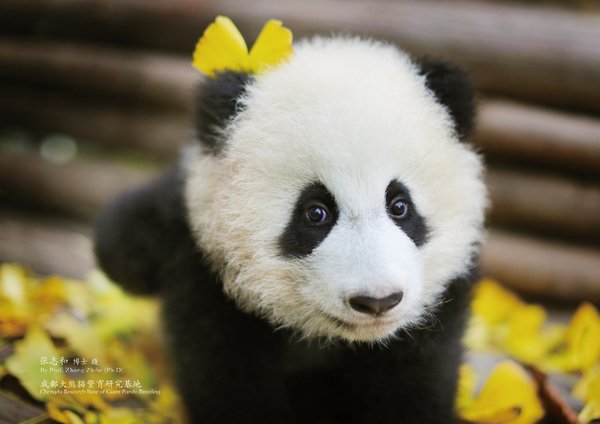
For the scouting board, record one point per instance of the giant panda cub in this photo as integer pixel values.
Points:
(315, 247)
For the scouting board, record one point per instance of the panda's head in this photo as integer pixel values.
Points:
(334, 194)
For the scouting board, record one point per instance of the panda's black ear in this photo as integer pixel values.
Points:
(453, 88)
(217, 102)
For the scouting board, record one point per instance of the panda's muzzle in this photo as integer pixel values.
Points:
(374, 306)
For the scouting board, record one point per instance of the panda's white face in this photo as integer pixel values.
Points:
(343, 203)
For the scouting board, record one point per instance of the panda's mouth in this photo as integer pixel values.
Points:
(376, 323)
(338, 322)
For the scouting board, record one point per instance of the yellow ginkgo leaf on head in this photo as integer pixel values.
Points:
(509, 396)
(222, 48)
(274, 44)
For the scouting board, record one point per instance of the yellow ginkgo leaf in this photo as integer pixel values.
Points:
(134, 364)
(274, 44)
(588, 387)
(507, 416)
(493, 303)
(26, 362)
(91, 399)
(64, 409)
(91, 418)
(47, 294)
(117, 313)
(478, 335)
(72, 417)
(167, 404)
(583, 335)
(590, 413)
(55, 413)
(222, 47)
(508, 397)
(582, 341)
(467, 383)
(588, 390)
(15, 310)
(119, 416)
(523, 338)
(13, 281)
(82, 337)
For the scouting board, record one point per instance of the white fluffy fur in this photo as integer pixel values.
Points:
(352, 114)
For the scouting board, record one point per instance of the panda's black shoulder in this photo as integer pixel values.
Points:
(144, 233)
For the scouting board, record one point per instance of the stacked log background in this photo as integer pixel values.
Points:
(115, 75)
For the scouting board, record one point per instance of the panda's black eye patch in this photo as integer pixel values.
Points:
(313, 217)
(404, 213)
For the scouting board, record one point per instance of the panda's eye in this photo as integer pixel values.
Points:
(398, 208)
(317, 214)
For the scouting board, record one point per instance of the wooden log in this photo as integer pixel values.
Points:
(14, 410)
(534, 53)
(47, 246)
(81, 187)
(543, 269)
(562, 140)
(547, 203)
(149, 78)
(160, 134)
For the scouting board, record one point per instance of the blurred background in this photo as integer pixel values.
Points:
(95, 97)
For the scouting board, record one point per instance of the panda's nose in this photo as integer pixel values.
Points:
(374, 306)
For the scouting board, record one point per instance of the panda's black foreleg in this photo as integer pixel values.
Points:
(227, 362)
(414, 378)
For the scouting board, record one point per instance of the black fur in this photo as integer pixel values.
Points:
(413, 224)
(136, 234)
(230, 365)
(452, 88)
(227, 363)
(300, 239)
(217, 102)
